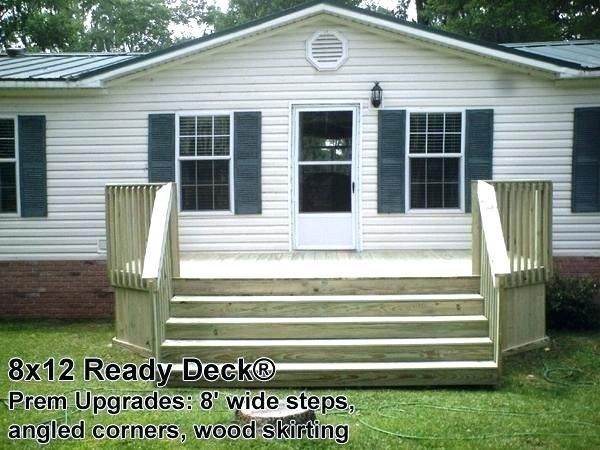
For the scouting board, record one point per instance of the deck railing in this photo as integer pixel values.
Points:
(128, 213)
(161, 261)
(494, 261)
(143, 250)
(525, 209)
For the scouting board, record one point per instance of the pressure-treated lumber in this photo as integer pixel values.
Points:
(327, 350)
(326, 305)
(326, 327)
(459, 373)
(335, 286)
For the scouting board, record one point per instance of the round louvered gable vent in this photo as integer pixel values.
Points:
(327, 50)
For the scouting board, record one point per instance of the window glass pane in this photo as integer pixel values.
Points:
(434, 195)
(204, 125)
(7, 128)
(435, 143)
(326, 136)
(418, 123)
(204, 146)
(188, 198)
(7, 148)
(221, 125)
(417, 143)
(8, 188)
(221, 197)
(205, 198)
(451, 170)
(187, 146)
(221, 171)
(451, 195)
(452, 144)
(417, 170)
(221, 145)
(325, 188)
(417, 195)
(453, 122)
(187, 126)
(435, 170)
(435, 123)
(188, 172)
(205, 172)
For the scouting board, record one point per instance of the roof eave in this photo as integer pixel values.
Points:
(50, 84)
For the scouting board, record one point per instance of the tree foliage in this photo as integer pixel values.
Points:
(92, 25)
(41, 24)
(514, 20)
(242, 11)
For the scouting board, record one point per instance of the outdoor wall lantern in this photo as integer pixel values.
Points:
(376, 95)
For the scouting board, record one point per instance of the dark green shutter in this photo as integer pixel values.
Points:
(390, 161)
(479, 149)
(32, 166)
(585, 193)
(161, 148)
(247, 162)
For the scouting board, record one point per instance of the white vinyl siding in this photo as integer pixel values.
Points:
(94, 139)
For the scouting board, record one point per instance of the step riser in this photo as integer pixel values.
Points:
(369, 286)
(325, 308)
(362, 353)
(362, 378)
(475, 328)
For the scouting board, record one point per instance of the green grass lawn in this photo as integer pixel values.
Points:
(524, 411)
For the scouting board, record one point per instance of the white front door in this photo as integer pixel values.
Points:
(324, 177)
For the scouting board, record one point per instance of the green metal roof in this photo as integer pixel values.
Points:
(584, 53)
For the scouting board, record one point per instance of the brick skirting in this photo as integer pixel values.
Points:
(55, 290)
(578, 266)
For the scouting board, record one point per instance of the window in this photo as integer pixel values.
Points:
(435, 156)
(8, 166)
(205, 162)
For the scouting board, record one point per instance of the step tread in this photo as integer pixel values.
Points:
(175, 343)
(299, 320)
(325, 298)
(333, 366)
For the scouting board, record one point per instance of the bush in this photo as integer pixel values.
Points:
(572, 303)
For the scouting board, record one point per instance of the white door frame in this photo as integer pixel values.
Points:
(295, 110)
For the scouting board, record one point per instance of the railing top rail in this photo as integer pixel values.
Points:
(518, 182)
(157, 235)
(492, 229)
(133, 184)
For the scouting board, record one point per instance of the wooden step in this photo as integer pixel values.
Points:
(437, 373)
(326, 305)
(325, 286)
(338, 350)
(326, 327)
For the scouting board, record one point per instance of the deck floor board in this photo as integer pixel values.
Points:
(327, 264)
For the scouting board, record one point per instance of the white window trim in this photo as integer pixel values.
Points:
(220, 212)
(461, 200)
(12, 215)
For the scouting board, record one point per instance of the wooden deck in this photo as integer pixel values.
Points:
(326, 264)
(336, 318)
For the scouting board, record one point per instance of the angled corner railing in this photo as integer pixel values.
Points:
(161, 261)
(128, 214)
(494, 262)
(143, 252)
(525, 209)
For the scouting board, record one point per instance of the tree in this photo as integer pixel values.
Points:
(41, 24)
(513, 20)
(128, 25)
(242, 11)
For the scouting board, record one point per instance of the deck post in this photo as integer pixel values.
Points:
(475, 231)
